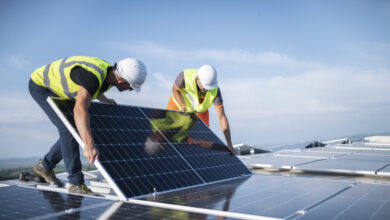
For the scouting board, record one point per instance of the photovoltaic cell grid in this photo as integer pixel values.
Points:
(201, 148)
(120, 134)
(146, 150)
(363, 201)
(22, 203)
(27, 203)
(287, 197)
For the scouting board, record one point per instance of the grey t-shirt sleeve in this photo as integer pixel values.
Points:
(179, 82)
(218, 99)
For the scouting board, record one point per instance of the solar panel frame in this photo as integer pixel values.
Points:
(108, 175)
(309, 154)
(278, 162)
(343, 166)
(384, 171)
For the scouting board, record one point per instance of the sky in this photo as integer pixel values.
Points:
(289, 71)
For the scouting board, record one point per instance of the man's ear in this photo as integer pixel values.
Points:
(121, 81)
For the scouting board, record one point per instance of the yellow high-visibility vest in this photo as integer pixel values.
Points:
(190, 93)
(56, 75)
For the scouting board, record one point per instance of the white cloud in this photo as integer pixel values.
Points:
(231, 56)
(20, 109)
(313, 92)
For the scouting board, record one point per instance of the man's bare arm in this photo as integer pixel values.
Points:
(81, 118)
(178, 97)
(223, 122)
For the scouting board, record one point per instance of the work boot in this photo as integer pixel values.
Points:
(81, 189)
(49, 176)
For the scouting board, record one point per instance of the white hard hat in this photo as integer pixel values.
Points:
(208, 77)
(133, 71)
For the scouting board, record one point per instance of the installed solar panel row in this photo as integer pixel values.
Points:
(144, 151)
(331, 159)
(287, 197)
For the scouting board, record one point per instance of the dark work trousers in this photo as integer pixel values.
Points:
(66, 146)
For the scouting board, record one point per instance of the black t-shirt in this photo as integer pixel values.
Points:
(88, 80)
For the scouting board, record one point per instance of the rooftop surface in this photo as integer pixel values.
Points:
(338, 181)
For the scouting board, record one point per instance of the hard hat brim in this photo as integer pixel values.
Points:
(138, 89)
(210, 87)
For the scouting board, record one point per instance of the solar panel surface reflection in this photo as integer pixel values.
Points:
(147, 150)
(199, 146)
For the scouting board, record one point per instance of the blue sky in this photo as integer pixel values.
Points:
(289, 71)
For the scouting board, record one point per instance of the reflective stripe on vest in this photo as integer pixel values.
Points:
(66, 92)
(46, 79)
(64, 82)
(190, 93)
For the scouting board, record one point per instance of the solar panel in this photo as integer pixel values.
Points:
(384, 171)
(344, 166)
(335, 149)
(22, 203)
(368, 157)
(325, 159)
(28, 203)
(201, 148)
(363, 201)
(145, 151)
(277, 161)
(364, 146)
(310, 153)
(261, 195)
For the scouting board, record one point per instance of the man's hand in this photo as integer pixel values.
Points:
(183, 108)
(110, 101)
(231, 148)
(104, 99)
(91, 153)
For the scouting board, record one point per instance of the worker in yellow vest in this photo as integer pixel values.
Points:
(195, 90)
(82, 79)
